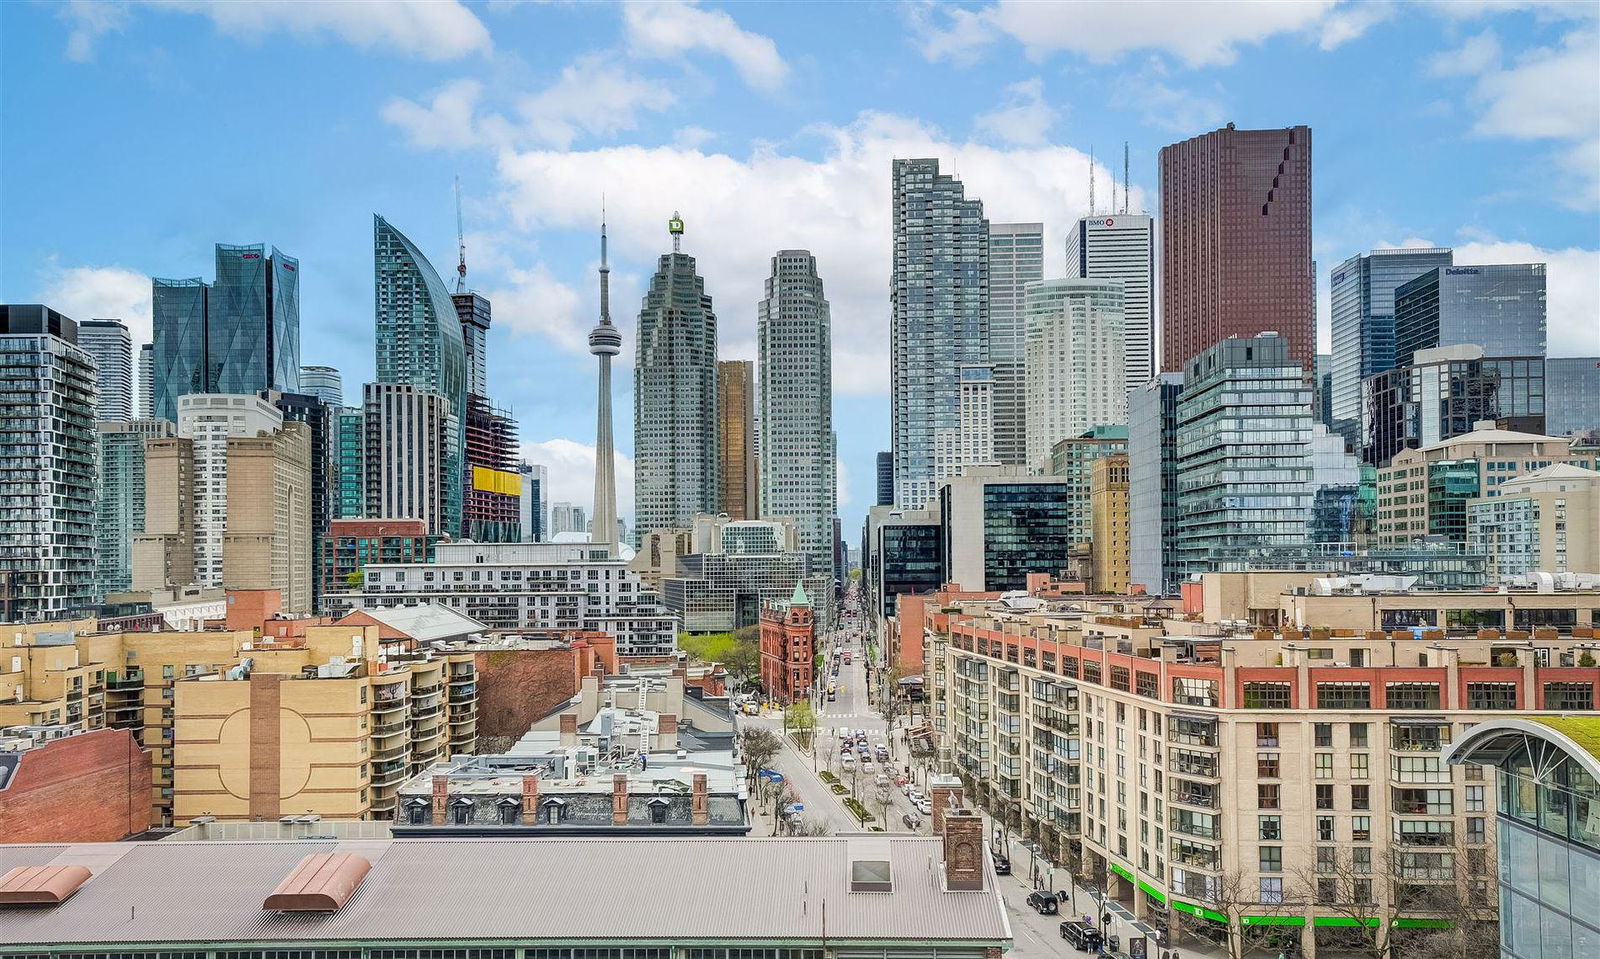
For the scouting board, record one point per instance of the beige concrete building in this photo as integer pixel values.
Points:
(1424, 492)
(736, 439)
(227, 501)
(1206, 773)
(1108, 523)
(1548, 520)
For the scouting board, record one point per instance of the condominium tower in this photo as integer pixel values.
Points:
(1016, 259)
(939, 317)
(47, 466)
(675, 397)
(1075, 364)
(794, 335)
(1362, 295)
(1122, 247)
(736, 439)
(323, 382)
(240, 334)
(1236, 242)
(107, 341)
(147, 382)
(120, 496)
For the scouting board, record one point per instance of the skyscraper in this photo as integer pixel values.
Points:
(1016, 258)
(323, 382)
(1236, 241)
(534, 505)
(939, 319)
(350, 464)
(885, 479)
(322, 434)
(675, 397)
(604, 342)
(107, 341)
(411, 445)
(1500, 307)
(1075, 365)
(47, 466)
(1572, 395)
(1122, 247)
(491, 511)
(736, 439)
(420, 345)
(147, 382)
(1153, 484)
(567, 518)
(120, 493)
(240, 334)
(473, 310)
(799, 460)
(1361, 292)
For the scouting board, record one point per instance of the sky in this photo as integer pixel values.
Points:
(138, 134)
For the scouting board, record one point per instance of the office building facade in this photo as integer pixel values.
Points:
(675, 414)
(1245, 482)
(1443, 393)
(533, 504)
(1572, 395)
(1075, 363)
(108, 342)
(1072, 461)
(47, 466)
(1016, 259)
(120, 497)
(239, 334)
(1236, 242)
(323, 382)
(738, 567)
(1122, 247)
(1153, 484)
(1108, 524)
(350, 471)
(1500, 308)
(885, 479)
(939, 319)
(146, 406)
(322, 431)
(736, 439)
(904, 554)
(999, 524)
(1361, 295)
(799, 455)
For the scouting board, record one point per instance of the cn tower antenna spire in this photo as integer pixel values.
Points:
(461, 244)
(605, 269)
(605, 341)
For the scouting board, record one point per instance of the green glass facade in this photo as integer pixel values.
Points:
(348, 464)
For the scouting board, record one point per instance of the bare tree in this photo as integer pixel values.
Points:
(758, 746)
(890, 706)
(812, 827)
(882, 800)
(1249, 910)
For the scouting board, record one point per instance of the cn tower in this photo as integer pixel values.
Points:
(604, 342)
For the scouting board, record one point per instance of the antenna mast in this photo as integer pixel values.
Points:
(461, 244)
(1125, 180)
(1091, 181)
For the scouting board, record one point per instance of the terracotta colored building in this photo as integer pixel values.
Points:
(1236, 241)
(522, 677)
(92, 787)
(788, 647)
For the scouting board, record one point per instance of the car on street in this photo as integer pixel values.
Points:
(914, 794)
(925, 806)
(1042, 902)
(1002, 864)
(911, 820)
(847, 760)
(866, 763)
(1082, 935)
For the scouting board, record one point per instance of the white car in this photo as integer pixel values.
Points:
(847, 760)
(915, 795)
(866, 763)
(924, 805)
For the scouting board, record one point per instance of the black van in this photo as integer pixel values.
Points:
(1082, 935)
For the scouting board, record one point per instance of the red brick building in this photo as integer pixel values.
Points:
(527, 675)
(92, 787)
(788, 648)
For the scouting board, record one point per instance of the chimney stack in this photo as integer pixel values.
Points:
(619, 799)
(530, 799)
(441, 798)
(945, 793)
(701, 806)
(963, 850)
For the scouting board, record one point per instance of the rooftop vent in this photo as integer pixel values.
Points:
(869, 865)
(322, 882)
(41, 885)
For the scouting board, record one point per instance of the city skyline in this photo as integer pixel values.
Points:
(1013, 132)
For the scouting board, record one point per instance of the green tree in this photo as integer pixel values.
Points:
(758, 746)
(355, 578)
(801, 722)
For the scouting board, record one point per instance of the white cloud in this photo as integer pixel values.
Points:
(1542, 9)
(665, 29)
(435, 30)
(446, 121)
(692, 137)
(1182, 109)
(739, 210)
(90, 20)
(534, 302)
(1476, 55)
(571, 466)
(99, 293)
(1572, 297)
(592, 96)
(1024, 119)
(1103, 30)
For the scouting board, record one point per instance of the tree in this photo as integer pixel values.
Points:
(882, 799)
(830, 748)
(355, 578)
(811, 827)
(890, 705)
(801, 722)
(758, 746)
(743, 663)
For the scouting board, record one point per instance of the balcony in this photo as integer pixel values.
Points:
(388, 704)
(1185, 795)
(426, 690)
(389, 773)
(1194, 764)
(426, 712)
(466, 676)
(462, 714)
(133, 679)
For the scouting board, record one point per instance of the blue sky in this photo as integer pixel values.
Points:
(136, 135)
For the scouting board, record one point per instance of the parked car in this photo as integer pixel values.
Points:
(1082, 935)
(881, 753)
(847, 760)
(912, 820)
(1044, 903)
(925, 806)
(1002, 865)
(915, 795)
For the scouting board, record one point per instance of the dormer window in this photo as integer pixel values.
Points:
(461, 812)
(510, 812)
(553, 811)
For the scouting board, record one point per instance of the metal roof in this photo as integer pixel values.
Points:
(426, 622)
(636, 890)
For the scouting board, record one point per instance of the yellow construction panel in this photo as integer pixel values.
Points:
(496, 481)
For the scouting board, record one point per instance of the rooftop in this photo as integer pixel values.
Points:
(724, 890)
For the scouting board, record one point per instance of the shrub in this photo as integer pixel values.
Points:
(859, 811)
(838, 789)
(1586, 659)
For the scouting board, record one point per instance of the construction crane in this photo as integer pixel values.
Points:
(461, 244)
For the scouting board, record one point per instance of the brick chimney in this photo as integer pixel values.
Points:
(530, 800)
(441, 797)
(963, 850)
(667, 725)
(619, 799)
(700, 804)
(942, 792)
(569, 727)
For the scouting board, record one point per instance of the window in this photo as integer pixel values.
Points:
(658, 813)
(1267, 695)
(1360, 765)
(1270, 827)
(1323, 733)
(461, 813)
(1361, 828)
(1325, 829)
(1266, 765)
(510, 814)
(1266, 735)
(1324, 796)
(1270, 858)
(1413, 695)
(1327, 889)
(1360, 797)
(1569, 696)
(1324, 765)
(1361, 891)
(1475, 830)
(1272, 890)
(1267, 795)
(1491, 695)
(1475, 799)
(1358, 735)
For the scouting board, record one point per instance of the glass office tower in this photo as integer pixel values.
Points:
(1572, 395)
(1016, 259)
(1361, 292)
(1500, 308)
